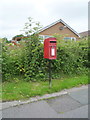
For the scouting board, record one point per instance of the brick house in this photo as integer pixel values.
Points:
(58, 27)
(61, 28)
(85, 34)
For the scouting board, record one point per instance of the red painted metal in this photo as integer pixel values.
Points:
(50, 50)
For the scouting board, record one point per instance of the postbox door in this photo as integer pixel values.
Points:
(52, 51)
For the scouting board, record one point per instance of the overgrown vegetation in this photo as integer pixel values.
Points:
(25, 71)
(27, 59)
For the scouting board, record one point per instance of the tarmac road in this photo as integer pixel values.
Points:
(74, 104)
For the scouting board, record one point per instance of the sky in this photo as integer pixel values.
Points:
(14, 14)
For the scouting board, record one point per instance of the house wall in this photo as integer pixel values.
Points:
(55, 29)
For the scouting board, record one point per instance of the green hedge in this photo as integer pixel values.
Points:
(27, 59)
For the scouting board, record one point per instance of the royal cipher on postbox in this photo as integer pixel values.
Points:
(50, 51)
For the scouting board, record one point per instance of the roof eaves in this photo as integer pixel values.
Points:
(60, 20)
(70, 28)
(49, 26)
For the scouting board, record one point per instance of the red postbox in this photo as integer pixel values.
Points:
(50, 48)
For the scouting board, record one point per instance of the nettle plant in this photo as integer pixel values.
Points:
(34, 64)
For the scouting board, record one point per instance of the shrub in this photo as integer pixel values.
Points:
(27, 59)
(12, 61)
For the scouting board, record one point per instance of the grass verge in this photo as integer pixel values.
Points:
(24, 90)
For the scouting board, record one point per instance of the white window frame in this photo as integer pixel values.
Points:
(70, 38)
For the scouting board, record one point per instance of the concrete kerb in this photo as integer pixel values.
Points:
(33, 99)
(37, 98)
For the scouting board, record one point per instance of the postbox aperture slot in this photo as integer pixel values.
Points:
(52, 41)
